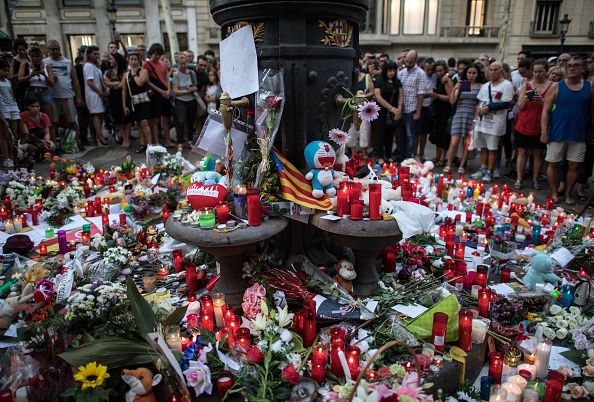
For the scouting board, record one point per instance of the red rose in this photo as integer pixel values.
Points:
(249, 112)
(58, 220)
(255, 355)
(272, 102)
(290, 374)
(142, 237)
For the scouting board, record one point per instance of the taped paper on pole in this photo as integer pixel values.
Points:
(239, 63)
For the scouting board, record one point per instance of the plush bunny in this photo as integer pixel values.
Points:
(540, 271)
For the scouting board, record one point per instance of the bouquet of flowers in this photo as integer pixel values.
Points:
(21, 193)
(90, 383)
(59, 217)
(116, 256)
(155, 155)
(508, 312)
(412, 256)
(126, 169)
(562, 320)
(64, 197)
(171, 165)
(114, 235)
(72, 169)
(582, 380)
(139, 204)
(93, 304)
(502, 252)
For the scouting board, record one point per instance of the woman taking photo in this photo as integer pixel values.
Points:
(114, 80)
(390, 97)
(95, 92)
(184, 88)
(135, 98)
(465, 93)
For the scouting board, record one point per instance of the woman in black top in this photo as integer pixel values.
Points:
(135, 83)
(443, 111)
(389, 96)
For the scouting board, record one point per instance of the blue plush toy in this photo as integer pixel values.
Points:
(540, 271)
(320, 156)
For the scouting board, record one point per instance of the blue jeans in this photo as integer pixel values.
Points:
(407, 135)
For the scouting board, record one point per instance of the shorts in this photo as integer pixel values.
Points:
(160, 107)
(364, 135)
(489, 141)
(425, 123)
(11, 114)
(65, 106)
(573, 151)
(42, 95)
(528, 141)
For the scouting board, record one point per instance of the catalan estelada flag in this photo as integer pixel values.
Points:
(295, 186)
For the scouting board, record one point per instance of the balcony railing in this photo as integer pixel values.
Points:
(540, 30)
(470, 32)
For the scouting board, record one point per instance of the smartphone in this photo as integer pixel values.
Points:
(116, 33)
(37, 66)
(465, 86)
(530, 95)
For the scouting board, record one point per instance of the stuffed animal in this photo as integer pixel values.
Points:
(320, 156)
(540, 271)
(209, 177)
(11, 305)
(366, 176)
(345, 273)
(141, 382)
(417, 168)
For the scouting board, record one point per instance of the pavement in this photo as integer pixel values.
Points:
(105, 158)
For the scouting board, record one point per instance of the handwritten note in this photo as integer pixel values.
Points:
(239, 63)
(412, 310)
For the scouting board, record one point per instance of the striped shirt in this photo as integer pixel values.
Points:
(413, 85)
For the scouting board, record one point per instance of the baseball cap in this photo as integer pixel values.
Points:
(552, 58)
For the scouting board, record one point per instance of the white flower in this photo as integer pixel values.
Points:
(575, 310)
(198, 377)
(283, 317)
(260, 322)
(589, 387)
(561, 333)
(277, 346)
(556, 309)
(286, 335)
(549, 333)
(573, 324)
(562, 323)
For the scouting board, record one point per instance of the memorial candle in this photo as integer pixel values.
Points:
(505, 275)
(544, 220)
(218, 300)
(482, 274)
(242, 338)
(554, 386)
(319, 354)
(352, 354)
(206, 320)
(375, 201)
(438, 333)
(465, 330)
(223, 212)
(165, 214)
(97, 205)
(43, 249)
(484, 302)
(335, 364)
(543, 354)
(342, 202)
(253, 206)
(207, 302)
(191, 279)
(495, 365)
(206, 217)
(356, 210)
(460, 249)
(3, 215)
(104, 218)
(309, 322)
(224, 384)
(549, 205)
(318, 372)
(62, 243)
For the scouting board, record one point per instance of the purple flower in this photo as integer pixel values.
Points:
(369, 111)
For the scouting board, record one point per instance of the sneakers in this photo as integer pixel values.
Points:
(461, 170)
(9, 163)
(487, 177)
(446, 169)
(478, 175)
(496, 174)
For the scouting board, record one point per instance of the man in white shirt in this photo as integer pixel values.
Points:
(425, 123)
(413, 88)
(490, 119)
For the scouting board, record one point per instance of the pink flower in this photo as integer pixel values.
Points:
(590, 362)
(339, 136)
(369, 111)
(121, 242)
(251, 300)
(577, 391)
(588, 371)
(273, 102)
(566, 371)
(115, 235)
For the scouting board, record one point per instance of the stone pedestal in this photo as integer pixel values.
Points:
(230, 250)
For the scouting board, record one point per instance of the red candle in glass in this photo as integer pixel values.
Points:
(319, 354)
(207, 320)
(309, 322)
(338, 332)
(496, 366)
(253, 206)
(235, 323)
(52, 173)
(469, 279)
(192, 320)
(403, 175)
(342, 202)
(550, 204)
(191, 280)
(3, 215)
(335, 365)
(34, 218)
(352, 354)
(105, 218)
(448, 270)
(450, 241)
(123, 219)
(242, 338)
(223, 212)
(178, 260)
(318, 372)
(356, 210)
(505, 274)
(85, 238)
(406, 191)
(43, 249)
(544, 220)
(165, 215)
(86, 190)
(460, 273)
(482, 274)
(554, 386)
(460, 248)
(354, 191)
(465, 330)
(390, 262)
(224, 383)
(484, 302)
(228, 313)
(438, 333)
(375, 201)
(440, 186)
(97, 205)
(479, 208)
(207, 303)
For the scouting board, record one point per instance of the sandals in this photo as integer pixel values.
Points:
(141, 149)
(461, 170)
(446, 169)
(582, 198)
(518, 185)
(536, 185)
(440, 163)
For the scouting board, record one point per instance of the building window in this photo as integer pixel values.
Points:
(75, 3)
(368, 25)
(475, 16)
(28, 3)
(182, 40)
(76, 41)
(546, 17)
(126, 2)
(412, 17)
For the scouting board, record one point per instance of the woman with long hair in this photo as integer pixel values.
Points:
(95, 92)
(184, 88)
(556, 74)
(135, 85)
(114, 80)
(390, 97)
(466, 96)
(20, 57)
(443, 110)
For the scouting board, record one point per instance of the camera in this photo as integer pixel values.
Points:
(37, 66)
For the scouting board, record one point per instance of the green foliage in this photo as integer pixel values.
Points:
(128, 165)
(579, 357)
(96, 394)
(115, 353)
(143, 313)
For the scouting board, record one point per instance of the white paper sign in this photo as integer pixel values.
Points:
(412, 311)
(562, 257)
(213, 139)
(239, 63)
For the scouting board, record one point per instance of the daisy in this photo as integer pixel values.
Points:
(339, 136)
(369, 111)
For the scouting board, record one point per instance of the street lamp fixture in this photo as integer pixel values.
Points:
(563, 28)
(112, 14)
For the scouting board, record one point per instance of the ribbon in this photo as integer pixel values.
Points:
(75, 263)
(264, 164)
(233, 365)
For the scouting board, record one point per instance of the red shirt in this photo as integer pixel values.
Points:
(30, 123)
(160, 68)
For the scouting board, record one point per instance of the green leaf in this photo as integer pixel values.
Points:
(579, 357)
(282, 393)
(175, 317)
(111, 352)
(69, 392)
(207, 337)
(143, 313)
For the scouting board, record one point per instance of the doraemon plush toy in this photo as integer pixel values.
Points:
(320, 157)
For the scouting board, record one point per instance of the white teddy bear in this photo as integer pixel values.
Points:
(417, 168)
(366, 176)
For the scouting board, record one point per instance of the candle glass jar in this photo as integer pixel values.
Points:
(496, 366)
(352, 354)
(206, 218)
(253, 206)
(438, 333)
(484, 302)
(465, 330)
(173, 338)
(240, 201)
(207, 319)
(335, 364)
(554, 386)
(223, 212)
(191, 279)
(356, 210)
(149, 281)
(375, 201)
(224, 383)
(242, 338)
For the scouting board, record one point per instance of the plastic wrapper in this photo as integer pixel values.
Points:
(422, 326)
(155, 155)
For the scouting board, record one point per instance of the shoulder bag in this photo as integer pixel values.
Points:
(391, 122)
(201, 107)
(137, 99)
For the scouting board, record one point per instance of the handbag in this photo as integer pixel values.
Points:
(137, 99)
(201, 105)
(391, 122)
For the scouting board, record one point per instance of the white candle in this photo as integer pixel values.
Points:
(9, 227)
(174, 342)
(18, 225)
(504, 209)
(543, 353)
(76, 210)
(530, 199)
(487, 195)
(475, 290)
(519, 381)
(434, 190)
(587, 220)
(450, 196)
(553, 219)
(218, 310)
(531, 395)
(512, 198)
(193, 308)
(512, 389)
(457, 202)
(528, 367)
(459, 229)
(497, 398)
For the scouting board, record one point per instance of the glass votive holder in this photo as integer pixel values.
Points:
(173, 338)
(149, 281)
(407, 362)
(206, 217)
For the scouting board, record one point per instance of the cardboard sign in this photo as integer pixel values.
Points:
(201, 196)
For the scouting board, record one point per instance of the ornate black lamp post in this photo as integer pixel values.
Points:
(112, 14)
(563, 28)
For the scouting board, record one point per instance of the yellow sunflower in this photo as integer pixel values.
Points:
(92, 375)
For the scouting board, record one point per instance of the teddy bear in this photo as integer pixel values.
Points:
(417, 168)
(209, 177)
(366, 176)
(320, 157)
(345, 274)
(540, 271)
(10, 308)
(141, 382)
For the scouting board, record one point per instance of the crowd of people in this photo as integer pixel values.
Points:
(46, 97)
(539, 116)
